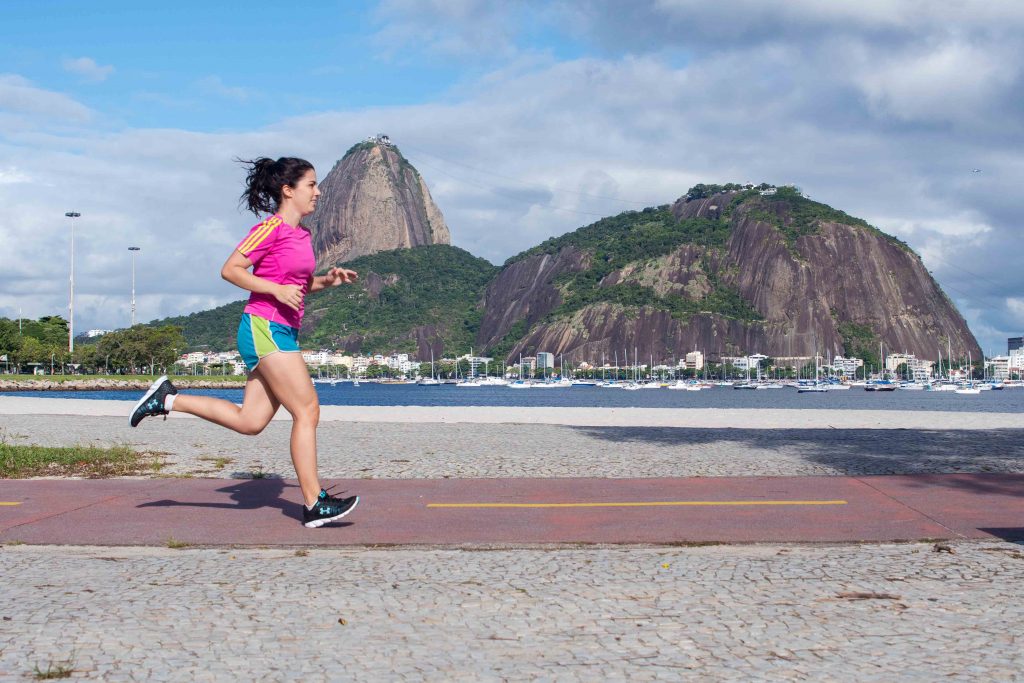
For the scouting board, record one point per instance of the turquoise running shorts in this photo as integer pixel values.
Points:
(258, 337)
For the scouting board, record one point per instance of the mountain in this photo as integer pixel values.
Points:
(726, 270)
(409, 300)
(373, 200)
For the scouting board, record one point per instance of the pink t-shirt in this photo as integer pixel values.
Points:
(282, 254)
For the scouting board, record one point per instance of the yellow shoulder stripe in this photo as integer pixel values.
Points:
(259, 234)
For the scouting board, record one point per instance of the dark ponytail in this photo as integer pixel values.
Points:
(265, 179)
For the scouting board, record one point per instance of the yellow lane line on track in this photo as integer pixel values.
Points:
(669, 503)
(2, 503)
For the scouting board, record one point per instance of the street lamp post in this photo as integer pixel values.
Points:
(71, 300)
(133, 250)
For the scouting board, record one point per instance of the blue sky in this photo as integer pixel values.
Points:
(214, 66)
(527, 119)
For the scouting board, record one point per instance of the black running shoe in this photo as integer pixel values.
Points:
(152, 403)
(327, 509)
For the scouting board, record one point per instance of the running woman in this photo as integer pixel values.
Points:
(280, 253)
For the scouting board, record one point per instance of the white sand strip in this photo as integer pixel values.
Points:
(711, 418)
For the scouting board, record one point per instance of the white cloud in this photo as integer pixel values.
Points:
(949, 82)
(11, 175)
(22, 102)
(88, 69)
(452, 28)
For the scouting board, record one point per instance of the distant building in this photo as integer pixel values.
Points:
(530, 362)
(1000, 367)
(545, 360)
(340, 359)
(769, 192)
(745, 362)
(316, 358)
(194, 358)
(1014, 343)
(694, 361)
(919, 369)
(96, 333)
(847, 366)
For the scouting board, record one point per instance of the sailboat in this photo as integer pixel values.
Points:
(968, 387)
(815, 387)
(432, 380)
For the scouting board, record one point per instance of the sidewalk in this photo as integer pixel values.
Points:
(510, 512)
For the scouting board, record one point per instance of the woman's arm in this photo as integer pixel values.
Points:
(236, 271)
(332, 278)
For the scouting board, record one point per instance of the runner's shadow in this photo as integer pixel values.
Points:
(1012, 534)
(251, 494)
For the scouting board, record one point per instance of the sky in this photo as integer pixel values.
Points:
(527, 119)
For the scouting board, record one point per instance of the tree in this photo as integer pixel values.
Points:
(32, 351)
(140, 345)
(10, 339)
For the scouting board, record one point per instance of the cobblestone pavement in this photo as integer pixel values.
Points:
(465, 450)
(819, 613)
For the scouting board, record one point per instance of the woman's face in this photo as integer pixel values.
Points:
(304, 194)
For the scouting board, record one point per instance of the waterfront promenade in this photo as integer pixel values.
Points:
(497, 608)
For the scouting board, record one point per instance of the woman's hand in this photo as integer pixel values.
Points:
(338, 276)
(289, 295)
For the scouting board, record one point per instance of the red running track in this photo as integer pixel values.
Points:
(406, 511)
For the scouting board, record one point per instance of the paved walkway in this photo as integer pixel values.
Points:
(726, 613)
(498, 604)
(264, 512)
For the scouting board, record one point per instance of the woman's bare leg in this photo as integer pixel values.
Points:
(258, 406)
(288, 381)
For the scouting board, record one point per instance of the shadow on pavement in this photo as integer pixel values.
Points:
(861, 452)
(1014, 535)
(248, 494)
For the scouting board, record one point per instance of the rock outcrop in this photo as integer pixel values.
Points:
(822, 286)
(373, 200)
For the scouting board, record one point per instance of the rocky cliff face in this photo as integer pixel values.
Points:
(373, 200)
(821, 286)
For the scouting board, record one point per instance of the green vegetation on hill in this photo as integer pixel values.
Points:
(633, 236)
(437, 285)
(803, 216)
(859, 341)
(212, 330)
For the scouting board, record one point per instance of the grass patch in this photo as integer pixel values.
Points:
(19, 462)
(218, 462)
(53, 671)
(176, 544)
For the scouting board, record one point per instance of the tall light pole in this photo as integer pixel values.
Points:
(71, 300)
(133, 250)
